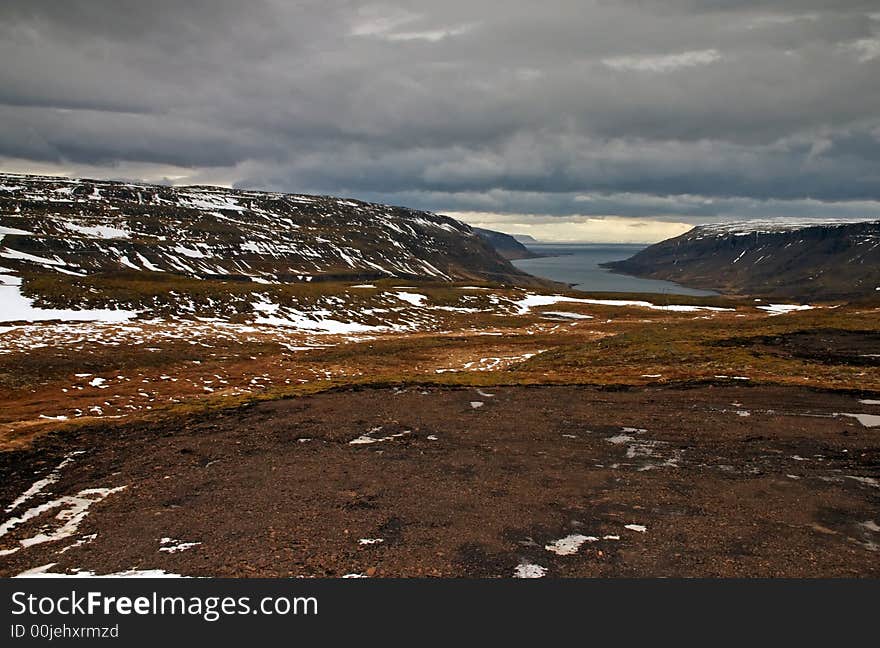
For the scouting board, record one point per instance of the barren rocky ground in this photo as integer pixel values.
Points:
(424, 480)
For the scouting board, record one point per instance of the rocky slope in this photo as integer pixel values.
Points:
(84, 227)
(785, 260)
(505, 244)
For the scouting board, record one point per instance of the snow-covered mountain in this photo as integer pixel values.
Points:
(83, 227)
(790, 259)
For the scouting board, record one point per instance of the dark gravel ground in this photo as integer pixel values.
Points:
(716, 481)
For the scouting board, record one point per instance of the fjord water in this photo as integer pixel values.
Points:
(578, 264)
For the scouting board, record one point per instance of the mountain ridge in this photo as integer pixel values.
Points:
(506, 245)
(84, 226)
(833, 260)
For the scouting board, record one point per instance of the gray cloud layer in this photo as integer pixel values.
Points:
(668, 107)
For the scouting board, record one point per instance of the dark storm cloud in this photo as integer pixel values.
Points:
(673, 106)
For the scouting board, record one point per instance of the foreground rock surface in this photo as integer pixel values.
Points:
(536, 481)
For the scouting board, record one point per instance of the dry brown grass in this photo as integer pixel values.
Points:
(619, 347)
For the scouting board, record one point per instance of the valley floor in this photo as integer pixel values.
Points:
(716, 480)
(499, 433)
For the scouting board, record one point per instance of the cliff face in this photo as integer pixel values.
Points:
(505, 244)
(788, 260)
(58, 225)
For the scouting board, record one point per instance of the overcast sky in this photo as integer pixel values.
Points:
(590, 120)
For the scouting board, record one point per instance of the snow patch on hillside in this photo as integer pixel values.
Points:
(766, 226)
(530, 301)
(15, 307)
(315, 321)
(782, 309)
(102, 232)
